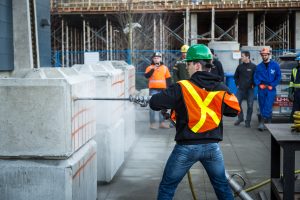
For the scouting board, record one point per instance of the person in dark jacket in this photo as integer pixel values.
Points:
(218, 67)
(243, 78)
(202, 96)
(179, 69)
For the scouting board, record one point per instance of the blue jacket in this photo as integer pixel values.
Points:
(268, 76)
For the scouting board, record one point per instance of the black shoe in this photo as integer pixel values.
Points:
(237, 122)
(247, 125)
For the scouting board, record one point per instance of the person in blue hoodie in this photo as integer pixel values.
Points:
(267, 76)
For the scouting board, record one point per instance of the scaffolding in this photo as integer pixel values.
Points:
(166, 5)
(118, 29)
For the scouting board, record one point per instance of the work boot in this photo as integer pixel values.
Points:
(261, 126)
(163, 125)
(153, 126)
(247, 124)
(268, 121)
(237, 122)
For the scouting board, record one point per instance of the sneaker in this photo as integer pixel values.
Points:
(247, 125)
(152, 126)
(163, 125)
(237, 122)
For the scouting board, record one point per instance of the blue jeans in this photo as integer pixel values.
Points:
(152, 112)
(181, 160)
(247, 94)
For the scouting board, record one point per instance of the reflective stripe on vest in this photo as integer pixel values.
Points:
(204, 108)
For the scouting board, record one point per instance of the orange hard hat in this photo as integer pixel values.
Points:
(265, 50)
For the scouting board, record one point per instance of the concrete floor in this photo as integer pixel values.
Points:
(246, 152)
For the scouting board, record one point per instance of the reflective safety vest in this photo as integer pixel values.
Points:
(204, 108)
(292, 83)
(159, 76)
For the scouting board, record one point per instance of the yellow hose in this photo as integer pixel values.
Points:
(191, 185)
(254, 187)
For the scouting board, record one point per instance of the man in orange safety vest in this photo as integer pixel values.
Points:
(159, 79)
(199, 104)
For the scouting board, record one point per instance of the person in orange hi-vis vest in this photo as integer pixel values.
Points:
(159, 79)
(199, 104)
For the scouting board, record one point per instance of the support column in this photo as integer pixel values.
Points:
(84, 37)
(23, 56)
(67, 46)
(75, 47)
(288, 31)
(71, 50)
(187, 26)
(297, 27)
(62, 43)
(194, 28)
(110, 41)
(160, 33)
(154, 33)
(250, 29)
(88, 36)
(262, 30)
(236, 28)
(212, 32)
(107, 55)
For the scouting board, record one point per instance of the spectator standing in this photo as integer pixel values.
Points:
(267, 76)
(243, 78)
(179, 69)
(159, 79)
(218, 67)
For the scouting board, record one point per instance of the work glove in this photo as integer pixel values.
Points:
(262, 86)
(270, 87)
(291, 94)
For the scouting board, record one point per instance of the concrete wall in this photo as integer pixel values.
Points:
(44, 33)
(6, 36)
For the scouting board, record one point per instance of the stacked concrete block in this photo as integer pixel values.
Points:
(70, 179)
(129, 114)
(46, 146)
(42, 119)
(225, 51)
(110, 143)
(110, 129)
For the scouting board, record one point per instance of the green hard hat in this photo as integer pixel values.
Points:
(198, 52)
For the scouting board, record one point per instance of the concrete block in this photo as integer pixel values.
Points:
(129, 118)
(129, 72)
(41, 118)
(110, 148)
(224, 51)
(71, 179)
(109, 84)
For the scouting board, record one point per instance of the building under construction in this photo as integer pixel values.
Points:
(121, 29)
